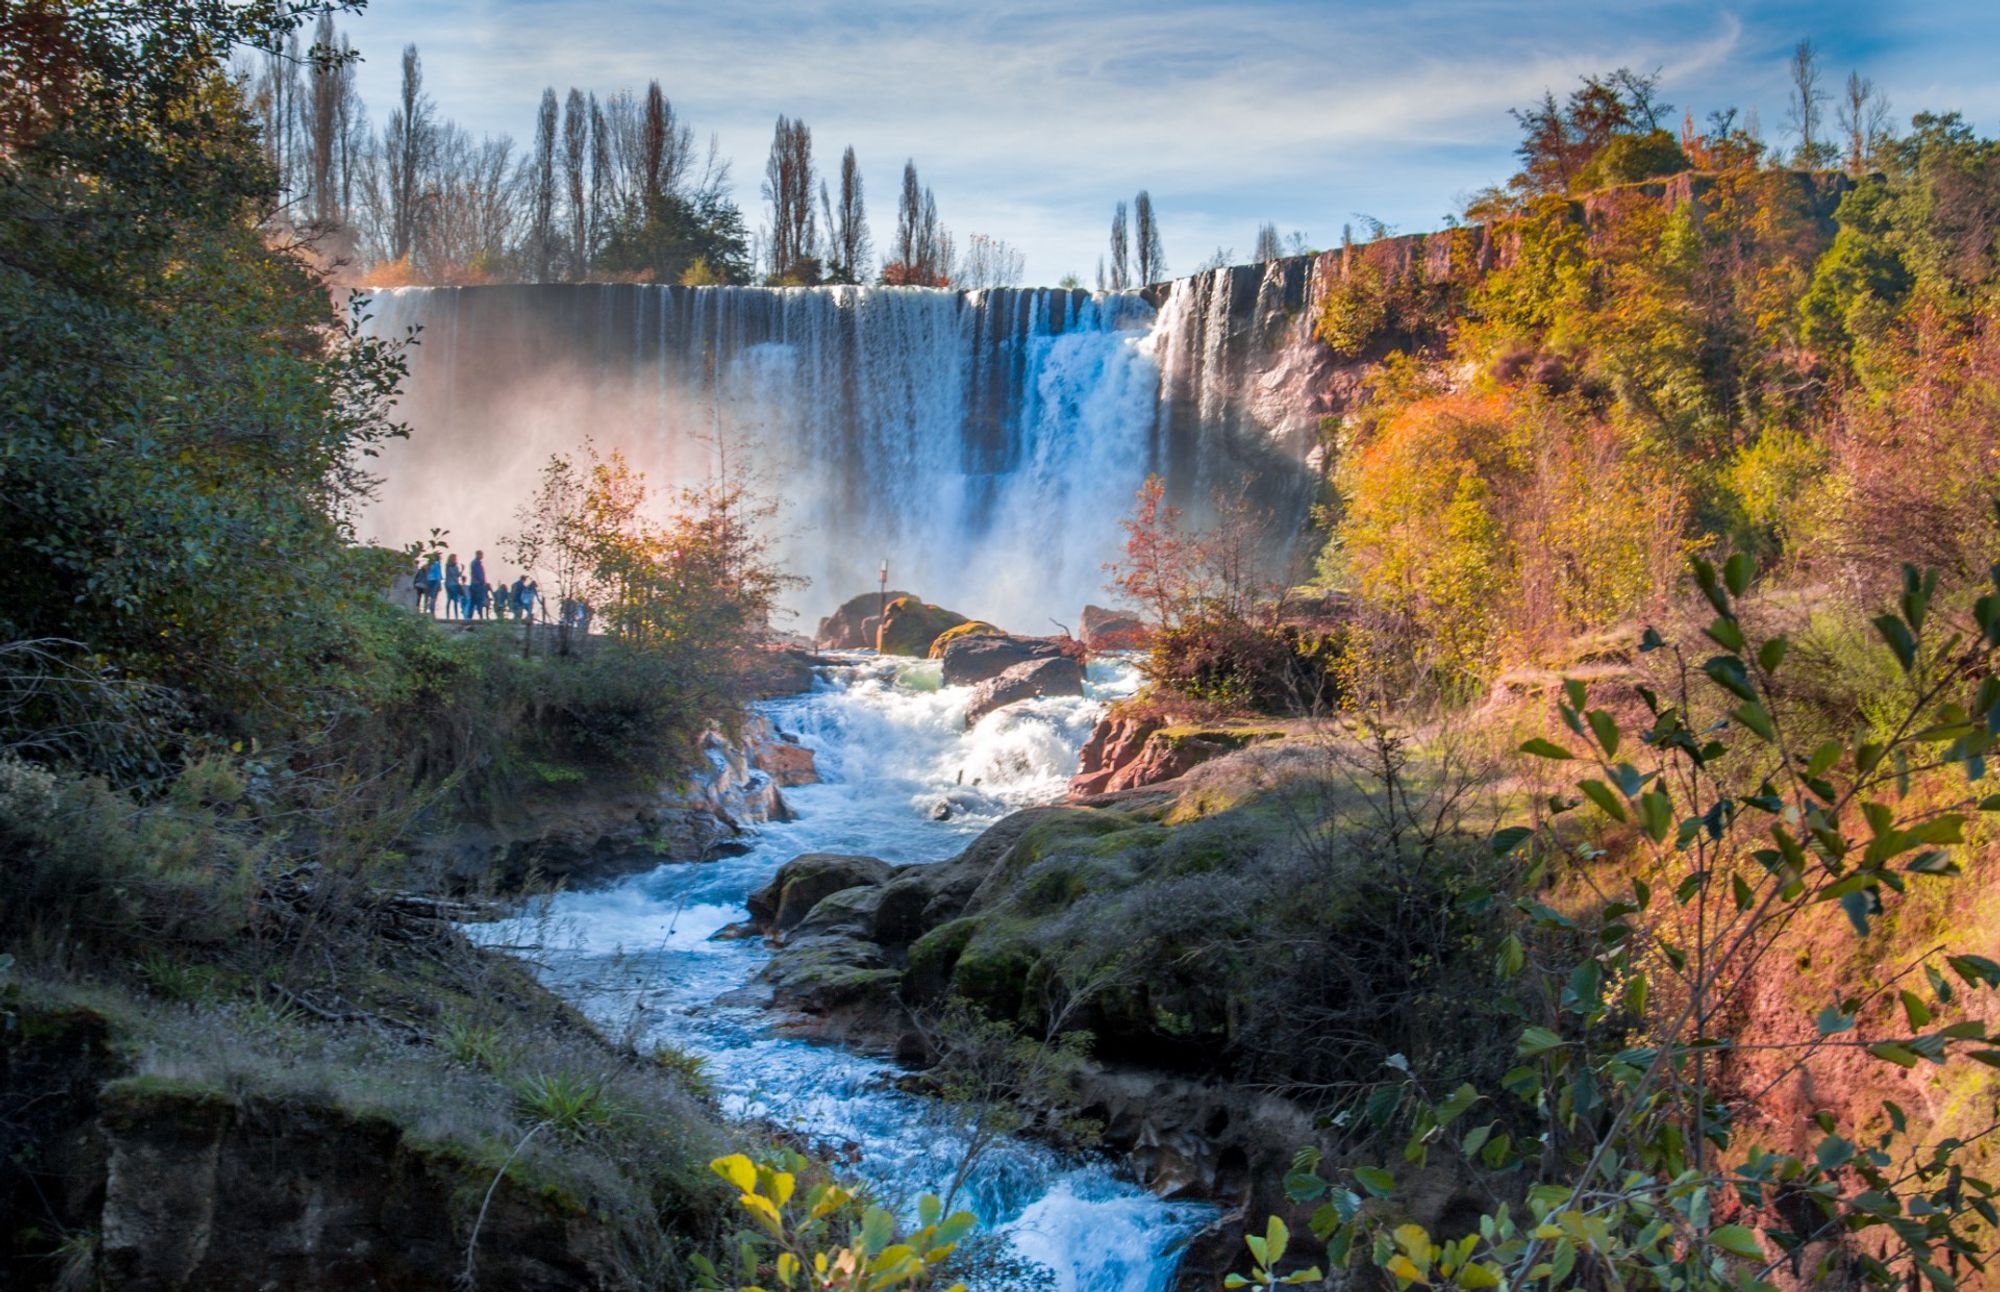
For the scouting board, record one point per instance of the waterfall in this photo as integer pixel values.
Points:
(984, 443)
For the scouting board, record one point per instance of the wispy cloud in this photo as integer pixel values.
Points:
(1030, 118)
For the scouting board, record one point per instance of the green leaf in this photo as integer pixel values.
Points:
(1772, 653)
(1375, 1180)
(1833, 1153)
(1900, 1055)
(1537, 1040)
(1915, 1010)
(1727, 672)
(1505, 841)
(1606, 800)
(1605, 728)
(1896, 635)
(1737, 1241)
(1754, 716)
(1831, 1020)
(1736, 572)
(1540, 748)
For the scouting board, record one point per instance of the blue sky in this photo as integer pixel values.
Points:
(1031, 118)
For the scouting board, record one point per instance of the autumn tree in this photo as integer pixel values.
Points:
(923, 250)
(1863, 116)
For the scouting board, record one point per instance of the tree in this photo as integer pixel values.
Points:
(989, 262)
(603, 177)
(849, 225)
(923, 251)
(1152, 261)
(201, 467)
(576, 178)
(541, 184)
(1807, 106)
(408, 145)
(909, 216)
(1121, 252)
(1863, 115)
(328, 108)
(1268, 247)
(788, 187)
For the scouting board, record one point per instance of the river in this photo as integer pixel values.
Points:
(639, 958)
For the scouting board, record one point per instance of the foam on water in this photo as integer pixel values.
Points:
(890, 743)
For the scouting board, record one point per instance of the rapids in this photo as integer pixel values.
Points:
(637, 957)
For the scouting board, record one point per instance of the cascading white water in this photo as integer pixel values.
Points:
(984, 444)
(890, 742)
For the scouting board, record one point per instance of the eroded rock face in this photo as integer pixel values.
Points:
(1111, 630)
(969, 661)
(205, 1191)
(848, 628)
(1136, 753)
(1057, 675)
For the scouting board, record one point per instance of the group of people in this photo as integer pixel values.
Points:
(466, 593)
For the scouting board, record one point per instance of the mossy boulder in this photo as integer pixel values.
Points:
(909, 626)
(851, 626)
(970, 628)
(820, 974)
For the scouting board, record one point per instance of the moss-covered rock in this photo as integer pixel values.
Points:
(909, 626)
(970, 628)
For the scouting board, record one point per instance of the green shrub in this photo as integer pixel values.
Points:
(569, 1103)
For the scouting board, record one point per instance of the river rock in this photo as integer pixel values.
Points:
(909, 627)
(804, 881)
(1057, 675)
(970, 628)
(1112, 630)
(847, 628)
(969, 661)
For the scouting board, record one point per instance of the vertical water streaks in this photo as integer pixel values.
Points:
(984, 443)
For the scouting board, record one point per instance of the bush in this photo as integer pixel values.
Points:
(1267, 667)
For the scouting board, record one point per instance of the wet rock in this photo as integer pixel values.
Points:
(785, 761)
(941, 810)
(850, 913)
(822, 974)
(1112, 630)
(1126, 754)
(1056, 675)
(909, 626)
(848, 628)
(969, 661)
(804, 881)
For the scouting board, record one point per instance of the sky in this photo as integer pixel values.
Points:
(1031, 119)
